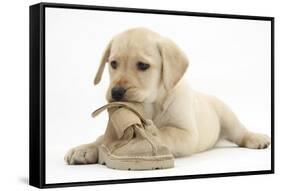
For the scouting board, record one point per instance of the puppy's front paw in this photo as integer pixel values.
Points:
(83, 154)
(255, 141)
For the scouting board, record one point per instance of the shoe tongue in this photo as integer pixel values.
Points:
(123, 118)
(123, 115)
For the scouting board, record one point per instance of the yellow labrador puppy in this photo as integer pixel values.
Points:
(147, 68)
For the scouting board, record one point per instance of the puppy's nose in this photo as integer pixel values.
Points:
(117, 93)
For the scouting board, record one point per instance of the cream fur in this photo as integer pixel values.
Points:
(188, 121)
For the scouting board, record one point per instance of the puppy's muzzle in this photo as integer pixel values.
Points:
(117, 93)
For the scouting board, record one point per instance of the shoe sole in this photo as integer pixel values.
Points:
(134, 163)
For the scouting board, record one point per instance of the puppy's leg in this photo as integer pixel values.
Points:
(84, 154)
(181, 142)
(234, 131)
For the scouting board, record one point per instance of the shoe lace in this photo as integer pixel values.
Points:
(140, 129)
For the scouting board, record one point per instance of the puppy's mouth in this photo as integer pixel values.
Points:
(131, 94)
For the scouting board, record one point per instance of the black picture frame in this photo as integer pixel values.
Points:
(37, 94)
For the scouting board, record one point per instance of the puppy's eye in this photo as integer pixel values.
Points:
(114, 64)
(142, 66)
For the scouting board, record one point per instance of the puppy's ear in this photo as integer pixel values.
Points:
(174, 62)
(103, 61)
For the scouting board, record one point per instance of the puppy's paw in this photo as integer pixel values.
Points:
(255, 141)
(84, 154)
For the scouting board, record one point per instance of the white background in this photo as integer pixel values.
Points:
(14, 95)
(229, 58)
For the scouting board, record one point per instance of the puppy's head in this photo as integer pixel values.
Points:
(140, 63)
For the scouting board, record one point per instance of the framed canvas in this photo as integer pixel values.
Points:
(148, 56)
